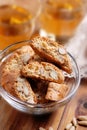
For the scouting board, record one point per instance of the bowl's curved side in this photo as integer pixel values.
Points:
(73, 82)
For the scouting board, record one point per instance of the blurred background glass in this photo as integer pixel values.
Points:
(17, 18)
(60, 18)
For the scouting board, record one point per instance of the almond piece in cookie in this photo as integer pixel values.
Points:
(56, 91)
(52, 51)
(44, 71)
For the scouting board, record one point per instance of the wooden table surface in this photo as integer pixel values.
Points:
(11, 119)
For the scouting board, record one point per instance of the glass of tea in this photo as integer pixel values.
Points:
(17, 20)
(60, 18)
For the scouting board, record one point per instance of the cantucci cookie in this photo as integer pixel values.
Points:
(16, 60)
(52, 51)
(24, 91)
(20, 88)
(10, 74)
(11, 65)
(25, 53)
(43, 70)
(56, 91)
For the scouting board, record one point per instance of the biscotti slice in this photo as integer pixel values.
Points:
(25, 53)
(20, 88)
(12, 64)
(15, 61)
(52, 51)
(56, 91)
(43, 70)
(24, 91)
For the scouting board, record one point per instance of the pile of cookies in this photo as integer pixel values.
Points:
(34, 72)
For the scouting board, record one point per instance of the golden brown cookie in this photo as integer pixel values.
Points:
(15, 61)
(25, 53)
(11, 65)
(19, 87)
(44, 71)
(56, 91)
(24, 91)
(52, 51)
(11, 77)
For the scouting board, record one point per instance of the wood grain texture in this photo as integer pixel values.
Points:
(11, 119)
(77, 106)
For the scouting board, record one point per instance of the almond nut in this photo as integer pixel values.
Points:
(72, 128)
(53, 74)
(83, 123)
(50, 128)
(74, 121)
(41, 128)
(68, 126)
(82, 118)
(62, 51)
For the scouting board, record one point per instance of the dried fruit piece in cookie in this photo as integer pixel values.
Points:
(56, 91)
(52, 51)
(43, 70)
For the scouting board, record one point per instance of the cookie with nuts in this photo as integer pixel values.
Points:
(56, 91)
(24, 91)
(44, 71)
(32, 74)
(52, 51)
(15, 61)
(25, 53)
(20, 88)
(10, 77)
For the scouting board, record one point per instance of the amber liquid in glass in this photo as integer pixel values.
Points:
(15, 24)
(61, 19)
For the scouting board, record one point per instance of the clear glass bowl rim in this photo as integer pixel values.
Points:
(45, 105)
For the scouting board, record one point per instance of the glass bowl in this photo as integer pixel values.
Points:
(72, 80)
